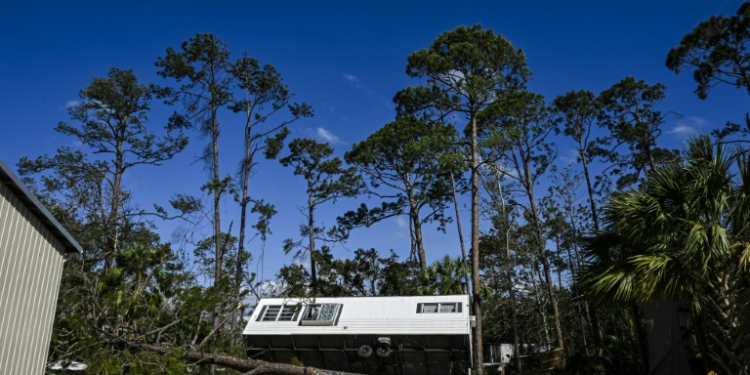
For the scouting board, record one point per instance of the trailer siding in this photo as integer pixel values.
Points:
(371, 315)
(32, 248)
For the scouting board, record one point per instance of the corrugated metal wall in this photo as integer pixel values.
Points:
(31, 265)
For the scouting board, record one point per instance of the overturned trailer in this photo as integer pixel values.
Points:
(369, 335)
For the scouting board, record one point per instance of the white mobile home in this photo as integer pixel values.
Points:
(371, 335)
(32, 249)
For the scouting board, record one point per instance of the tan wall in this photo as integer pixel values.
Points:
(31, 265)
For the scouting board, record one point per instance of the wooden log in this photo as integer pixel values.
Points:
(249, 366)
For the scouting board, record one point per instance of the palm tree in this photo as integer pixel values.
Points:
(685, 236)
(444, 277)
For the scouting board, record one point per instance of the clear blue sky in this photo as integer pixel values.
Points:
(345, 58)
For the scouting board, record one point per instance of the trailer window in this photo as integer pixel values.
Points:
(321, 314)
(442, 307)
(279, 313)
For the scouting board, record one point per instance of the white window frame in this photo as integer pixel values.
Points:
(420, 307)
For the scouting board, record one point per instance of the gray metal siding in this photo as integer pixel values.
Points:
(30, 269)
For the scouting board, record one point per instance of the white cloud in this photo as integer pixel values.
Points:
(328, 136)
(682, 129)
(71, 103)
(355, 82)
(689, 125)
(697, 121)
(570, 157)
(401, 222)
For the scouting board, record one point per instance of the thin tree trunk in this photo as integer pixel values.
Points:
(511, 291)
(217, 212)
(558, 268)
(592, 202)
(476, 298)
(540, 302)
(419, 241)
(311, 235)
(246, 165)
(114, 210)
(545, 261)
(460, 232)
(590, 188)
(512, 294)
(574, 290)
(513, 322)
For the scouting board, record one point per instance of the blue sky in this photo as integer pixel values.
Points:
(345, 58)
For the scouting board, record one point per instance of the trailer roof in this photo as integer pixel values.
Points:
(369, 315)
(27, 197)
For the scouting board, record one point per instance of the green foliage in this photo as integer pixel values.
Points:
(111, 122)
(576, 113)
(408, 165)
(327, 180)
(367, 274)
(471, 67)
(444, 277)
(718, 51)
(197, 67)
(264, 95)
(112, 118)
(683, 236)
(520, 137)
(628, 112)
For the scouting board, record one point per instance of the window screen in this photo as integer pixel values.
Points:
(278, 313)
(288, 313)
(271, 313)
(443, 307)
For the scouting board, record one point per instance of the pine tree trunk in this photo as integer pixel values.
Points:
(217, 212)
(476, 298)
(545, 262)
(512, 294)
(311, 238)
(460, 232)
(419, 240)
(246, 165)
(592, 202)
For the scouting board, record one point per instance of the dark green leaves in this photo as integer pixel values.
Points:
(469, 67)
(629, 112)
(718, 51)
(326, 177)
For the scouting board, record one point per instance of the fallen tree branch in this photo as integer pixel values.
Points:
(249, 366)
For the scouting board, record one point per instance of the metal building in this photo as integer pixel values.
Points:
(32, 249)
(371, 335)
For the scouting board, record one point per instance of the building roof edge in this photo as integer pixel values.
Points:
(8, 177)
